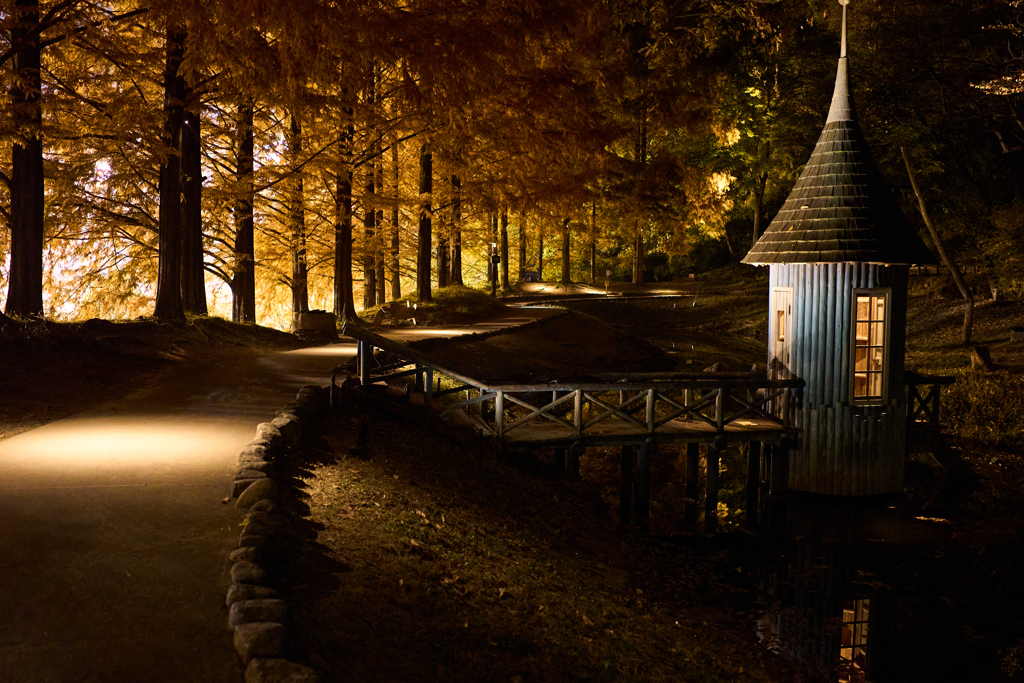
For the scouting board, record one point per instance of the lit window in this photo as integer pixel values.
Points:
(780, 325)
(853, 648)
(869, 347)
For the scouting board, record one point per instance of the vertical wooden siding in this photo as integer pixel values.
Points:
(845, 449)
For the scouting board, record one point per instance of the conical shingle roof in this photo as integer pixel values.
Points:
(840, 209)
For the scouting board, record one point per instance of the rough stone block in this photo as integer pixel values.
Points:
(248, 572)
(248, 591)
(262, 524)
(289, 429)
(257, 466)
(260, 541)
(248, 611)
(243, 473)
(239, 486)
(278, 671)
(259, 639)
(263, 506)
(256, 490)
(265, 431)
(255, 449)
(244, 555)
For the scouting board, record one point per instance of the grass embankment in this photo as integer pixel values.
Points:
(455, 305)
(430, 563)
(54, 369)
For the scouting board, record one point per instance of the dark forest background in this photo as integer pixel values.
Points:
(258, 159)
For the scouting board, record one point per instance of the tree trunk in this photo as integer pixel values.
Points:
(193, 275)
(423, 248)
(25, 287)
(566, 263)
(593, 243)
(965, 292)
(759, 186)
(443, 250)
(169, 306)
(638, 257)
(297, 219)
(344, 301)
(492, 267)
(504, 250)
(369, 240)
(540, 252)
(456, 260)
(243, 279)
(396, 274)
(522, 247)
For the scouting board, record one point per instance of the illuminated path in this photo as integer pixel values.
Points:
(113, 537)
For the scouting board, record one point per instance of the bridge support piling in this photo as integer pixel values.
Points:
(576, 452)
(626, 493)
(753, 483)
(692, 489)
(560, 460)
(642, 490)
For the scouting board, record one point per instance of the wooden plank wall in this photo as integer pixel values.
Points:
(845, 449)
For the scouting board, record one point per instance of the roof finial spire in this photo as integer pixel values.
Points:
(842, 47)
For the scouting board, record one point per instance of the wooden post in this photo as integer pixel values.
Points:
(363, 350)
(577, 413)
(419, 377)
(711, 488)
(720, 410)
(692, 485)
(626, 494)
(651, 397)
(428, 386)
(753, 483)
(573, 465)
(643, 481)
(499, 414)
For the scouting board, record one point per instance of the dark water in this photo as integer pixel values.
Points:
(873, 593)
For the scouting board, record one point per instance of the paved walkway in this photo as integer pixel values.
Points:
(113, 536)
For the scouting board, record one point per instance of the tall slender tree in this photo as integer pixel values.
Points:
(424, 251)
(243, 279)
(25, 289)
(169, 306)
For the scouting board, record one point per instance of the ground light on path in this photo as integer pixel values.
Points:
(114, 538)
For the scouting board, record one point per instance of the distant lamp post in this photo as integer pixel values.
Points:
(495, 260)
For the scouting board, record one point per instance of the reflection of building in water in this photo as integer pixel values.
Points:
(826, 598)
(852, 666)
(856, 593)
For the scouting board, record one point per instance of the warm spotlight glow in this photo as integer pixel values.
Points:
(103, 448)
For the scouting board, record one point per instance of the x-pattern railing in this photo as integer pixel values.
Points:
(923, 398)
(715, 401)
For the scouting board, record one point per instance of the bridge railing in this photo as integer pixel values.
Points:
(645, 403)
(717, 401)
(923, 393)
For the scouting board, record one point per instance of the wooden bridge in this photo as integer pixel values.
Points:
(635, 412)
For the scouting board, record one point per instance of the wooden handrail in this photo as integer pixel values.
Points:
(716, 399)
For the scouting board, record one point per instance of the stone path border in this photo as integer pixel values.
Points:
(257, 613)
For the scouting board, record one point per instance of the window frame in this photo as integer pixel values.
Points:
(886, 294)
